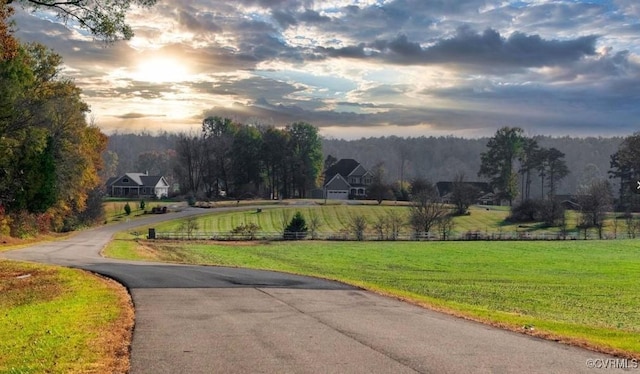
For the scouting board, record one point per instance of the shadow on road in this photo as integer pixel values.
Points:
(190, 276)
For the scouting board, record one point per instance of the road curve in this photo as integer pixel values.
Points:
(204, 319)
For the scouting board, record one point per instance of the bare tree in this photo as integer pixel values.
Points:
(314, 225)
(445, 226)
(463, 194)
(357, 225)
(188, 226)
(426, 208)
(595, 201)
(378, 189)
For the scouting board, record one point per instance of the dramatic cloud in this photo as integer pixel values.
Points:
(487, 50)
(406, 67)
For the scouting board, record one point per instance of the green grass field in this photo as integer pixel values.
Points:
(586, 292)
(58, 320)
(335, 219)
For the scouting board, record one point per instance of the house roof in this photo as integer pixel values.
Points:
(344, 167)
(150, 180)
(445, 188)
(337, 183)
(139, 179)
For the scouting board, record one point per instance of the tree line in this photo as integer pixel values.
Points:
(240, 160)
(49, 155)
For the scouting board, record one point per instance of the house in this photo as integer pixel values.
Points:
(346, 179)
(485, 195)
(138, 185)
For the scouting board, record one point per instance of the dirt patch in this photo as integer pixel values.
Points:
(22, 284)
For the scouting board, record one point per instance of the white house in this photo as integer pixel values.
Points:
(138, 185)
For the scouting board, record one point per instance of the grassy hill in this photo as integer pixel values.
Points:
(333, 219)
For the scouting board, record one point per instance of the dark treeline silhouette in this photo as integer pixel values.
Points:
(431, 158)
(442, 158)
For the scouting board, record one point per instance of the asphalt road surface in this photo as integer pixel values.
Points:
(203, 319)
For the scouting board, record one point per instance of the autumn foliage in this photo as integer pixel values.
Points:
(49, 154)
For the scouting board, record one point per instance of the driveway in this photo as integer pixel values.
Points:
(204, 319)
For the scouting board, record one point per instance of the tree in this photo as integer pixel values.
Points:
(462, 194)
(50, 156)
(378, 189)
(274, 156)
(105, 19)
(445, 225)
(8, 44)
(190, 162)
(219, 136)
(297, 228)
(306, 157)
(189, 225)
(357, 225)
(595, 201)
(426, 208)
(497, 161)
(529, 159)
(625, 165)
(556, 169)
(314, 225)
(246, 162)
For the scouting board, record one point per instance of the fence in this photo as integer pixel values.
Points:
(344, 236)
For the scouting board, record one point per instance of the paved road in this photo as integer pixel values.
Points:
(198, 319)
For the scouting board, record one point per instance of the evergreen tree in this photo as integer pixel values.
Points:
(297, 228)
(498, 161)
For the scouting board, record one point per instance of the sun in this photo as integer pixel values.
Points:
(161, 70)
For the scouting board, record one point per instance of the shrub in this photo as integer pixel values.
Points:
(247, 229)
(127, 209)
(527, 211)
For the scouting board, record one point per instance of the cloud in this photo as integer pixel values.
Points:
(138, 115)
(431, 64)
(485, 51)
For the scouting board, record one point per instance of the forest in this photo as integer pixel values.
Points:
(432, 158)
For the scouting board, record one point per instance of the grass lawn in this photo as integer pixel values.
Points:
(586, 292)
(59, 320)
(335, 219)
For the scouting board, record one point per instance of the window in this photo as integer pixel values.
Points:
(125, 180)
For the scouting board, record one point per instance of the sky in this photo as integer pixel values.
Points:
(363, 68)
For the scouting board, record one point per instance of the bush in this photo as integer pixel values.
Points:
(551, 212)
(297, 228)
(526, 211)
(247, 229)
(127, 208)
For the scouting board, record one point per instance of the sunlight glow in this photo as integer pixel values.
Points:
(161, 70)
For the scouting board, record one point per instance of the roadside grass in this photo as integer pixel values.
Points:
(59, 320)
(582, 292)
(8, 243)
